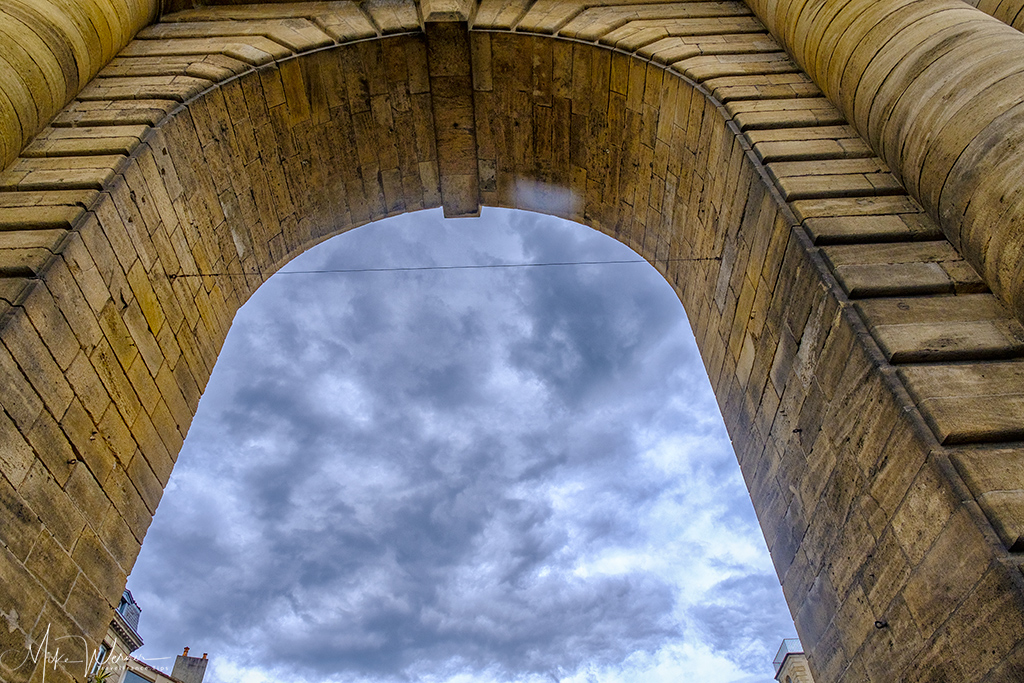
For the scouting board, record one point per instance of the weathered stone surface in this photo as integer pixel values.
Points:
(847, 338)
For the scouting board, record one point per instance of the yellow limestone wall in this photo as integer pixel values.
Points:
(870, 380)
(49, 50)
(935, 87)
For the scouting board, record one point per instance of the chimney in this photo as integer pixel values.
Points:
(189, 669)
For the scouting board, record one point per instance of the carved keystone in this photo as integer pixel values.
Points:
(446, 10)
(451, 85)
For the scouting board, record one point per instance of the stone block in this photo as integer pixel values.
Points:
(167, 430)
(118, 337)
(1005, 510)
(850, 206)
(62, 217)
(990, 468)
(788, 539)
(893, 646)
(106, 113)
(99, 566)
(855, 622)
(950, 341)
(16, 455)
(816, 611)
(145, 388)
(855, 542)
(929, 503)
(116, 382)
(820, 541)
(36, 362)
(112, 429)
(19, 666)
(88, 387)
(990, 615)
(835, 355)
(119, 540)
(783, 361)
(902, 458)
(51, 504)
(828, 655)
(85, 492)
(19, 525)
(894, 279)
(52, 447)
(948, 572)
(28, 262)
(885, 572)
(53, 565)
(128, 502)
(446, 10)
(977, 401)
(64, 289)
(932, 309)
(82, 608)
(143, 470)
(860, 229)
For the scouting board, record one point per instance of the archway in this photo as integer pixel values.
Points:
(520, 472)
(817, 287)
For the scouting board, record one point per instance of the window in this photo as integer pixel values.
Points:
(101, 656)
(132, 677)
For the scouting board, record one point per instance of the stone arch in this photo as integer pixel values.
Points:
(225, 140)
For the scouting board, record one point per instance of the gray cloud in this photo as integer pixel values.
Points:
(739, 617)
(409, 476)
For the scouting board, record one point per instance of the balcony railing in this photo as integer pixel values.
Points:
(790, 646)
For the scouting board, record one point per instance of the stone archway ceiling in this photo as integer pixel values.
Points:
(49, 49)
(876, 239)
(1008, 11)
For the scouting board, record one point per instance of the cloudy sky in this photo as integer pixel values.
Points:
(508, 475)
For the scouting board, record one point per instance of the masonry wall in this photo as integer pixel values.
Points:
(869, 379)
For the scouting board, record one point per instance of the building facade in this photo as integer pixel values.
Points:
(114, 662)
(790, 663)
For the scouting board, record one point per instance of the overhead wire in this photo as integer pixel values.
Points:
(471, 266)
